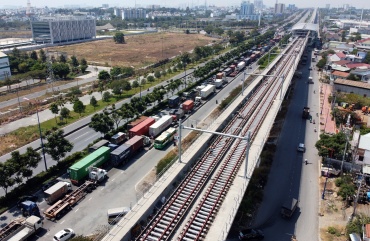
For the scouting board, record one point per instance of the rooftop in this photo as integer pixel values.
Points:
(340, 74)
(306, 26)
(364, 142)
(2, 55)
(352, 83)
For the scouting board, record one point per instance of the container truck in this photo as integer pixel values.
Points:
(97, 145)
(174, 101)
(80, 170)
(66, 204)
(218, 83)
(135, 143)
(30, 208)
(97, 174)
(56, 191)
(247, 61)
(142, 128)
(120, 154)
(207, 91)
(20, 229)
(240, 66)
(160, 125)
(189, 95)
(227, 71)
(136, 122)
(232, 67)
(118, 138)
(177, 114)
(188, 106)
(219, 75)
(198, 101)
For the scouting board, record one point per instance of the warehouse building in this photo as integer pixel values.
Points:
(4, 66)
(63, 29)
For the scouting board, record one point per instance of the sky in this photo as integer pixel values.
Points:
(177, 3)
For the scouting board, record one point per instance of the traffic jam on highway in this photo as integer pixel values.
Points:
(157, 131)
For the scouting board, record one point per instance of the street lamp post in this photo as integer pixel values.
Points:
(42, 143)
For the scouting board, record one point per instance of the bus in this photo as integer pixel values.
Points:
(161, 141)
(115, 214)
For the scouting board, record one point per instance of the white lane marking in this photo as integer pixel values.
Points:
(62, 222)
(42, 202)
(113, 179)
(76, 210)
(122, 172)
(89, 199)
(80, 136)
(102, 188)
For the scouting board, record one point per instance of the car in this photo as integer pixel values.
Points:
(251, 234)
(49, 184)
(22, 199)
(64, 235)
(301, 147)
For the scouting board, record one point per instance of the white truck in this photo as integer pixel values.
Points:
(97, 174)
(160, 125)
(218, 83)
(20, 229)
(207, 91)
(240, 66)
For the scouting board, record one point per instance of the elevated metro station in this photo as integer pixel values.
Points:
(306, 29)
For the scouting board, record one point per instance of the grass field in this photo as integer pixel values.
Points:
(139, 50)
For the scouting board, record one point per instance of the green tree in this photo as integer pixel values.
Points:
(106, 96)
(126, 85)
(83, 62)
(321, 64)
(157, 74)
(61, 69)
(57, 146)
(103, 75)
(31, 160)
(135, 84)
(93, 102)
(83, 68)
(74, 61)
(42, 55)
(62, 59)
(119, 38)
(117, 117)
(55, 110)
(102, 123)
(78, 107)
(6, 178)
(331, 145)
(64, 113)
(33, 55)
(367, 58)
(209, 28)
(150, 78)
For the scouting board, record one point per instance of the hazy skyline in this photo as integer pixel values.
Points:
(176, 3)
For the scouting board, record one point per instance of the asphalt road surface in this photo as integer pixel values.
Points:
(289, 176)
(119, 189)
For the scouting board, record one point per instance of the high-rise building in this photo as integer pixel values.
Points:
(133, 13)
(105, 5)
(4, 66)
(117, 12)
(279, 8)
(246, 8)
(63, 29)
(258, 4)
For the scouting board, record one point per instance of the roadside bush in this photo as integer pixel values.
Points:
(346, 187)
(334, 231)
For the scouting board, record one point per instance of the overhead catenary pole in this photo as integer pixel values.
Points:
(247, 154)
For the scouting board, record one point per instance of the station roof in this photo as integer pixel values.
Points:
(306, 26)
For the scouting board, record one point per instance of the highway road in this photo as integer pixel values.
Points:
(289, 176)
(119, 190)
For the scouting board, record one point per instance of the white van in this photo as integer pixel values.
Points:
(115, 214)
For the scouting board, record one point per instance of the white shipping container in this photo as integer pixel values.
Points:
(160, 125)
(209, 89)
(218, 83)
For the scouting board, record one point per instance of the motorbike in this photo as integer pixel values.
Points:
(314, 121)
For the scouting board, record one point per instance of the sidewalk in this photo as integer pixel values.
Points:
(327, 125)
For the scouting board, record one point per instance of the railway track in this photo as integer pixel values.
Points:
(169, 217)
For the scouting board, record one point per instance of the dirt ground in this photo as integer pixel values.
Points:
(139, 50)
(333, 212)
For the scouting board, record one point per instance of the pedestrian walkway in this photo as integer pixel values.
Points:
(327, 123)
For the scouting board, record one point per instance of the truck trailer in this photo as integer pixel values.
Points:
(289, 207)
(56, 191)
(240, 66)
(20, 229)
(173, 101)
(207, 91)
(97, 145)
(160, 125)
(188, 106)
(218, 83)
(120, 154)
(80, 170)
(142, 128)
(136, 122)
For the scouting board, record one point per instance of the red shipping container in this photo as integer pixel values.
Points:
(136, 122)
(232, 67)
(135, 144)
(142, 128)
(188, 105)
